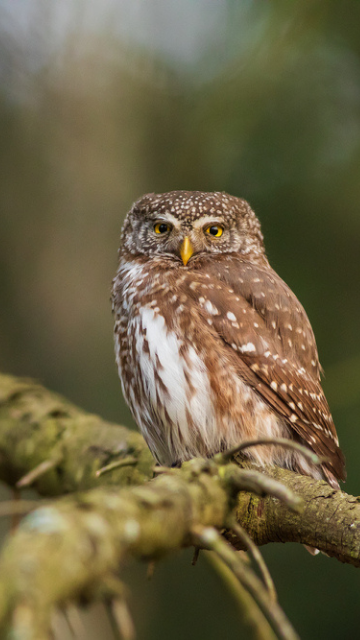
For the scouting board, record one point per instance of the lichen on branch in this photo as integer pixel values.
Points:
(119, 509)
(82, 540)
(38, 426)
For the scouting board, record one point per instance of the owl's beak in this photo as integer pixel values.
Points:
(186, 250)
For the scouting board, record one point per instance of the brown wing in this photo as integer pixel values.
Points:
(259, 317)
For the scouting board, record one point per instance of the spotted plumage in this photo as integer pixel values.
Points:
(212, 346)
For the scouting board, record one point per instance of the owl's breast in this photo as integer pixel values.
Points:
(167, 386)
(179, 377)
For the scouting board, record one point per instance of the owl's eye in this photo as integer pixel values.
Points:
(161, 227)
(214, 230)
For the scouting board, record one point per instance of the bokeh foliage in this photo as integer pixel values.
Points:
(103, 101)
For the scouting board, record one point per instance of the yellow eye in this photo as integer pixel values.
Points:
(214, 230)
(161, 227)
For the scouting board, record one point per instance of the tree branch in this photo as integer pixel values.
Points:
(330, 520)
(39, 428)
(37, 425)
(82, 538)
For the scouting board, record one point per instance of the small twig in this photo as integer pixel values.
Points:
(113, 593)
(37, 472)
(74, 621)
(27, 623)
(125, 462)
(250, 612)
(56, 626)
(280, 442)
(195, 556)
(260, 484)
(212, 540)
(120, 618)
(158, 470)
(256, 556)
(112, 620)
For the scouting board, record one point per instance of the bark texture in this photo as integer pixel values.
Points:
(37, 425)
(125, 511)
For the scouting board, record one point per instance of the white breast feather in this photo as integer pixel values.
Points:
(165, 345)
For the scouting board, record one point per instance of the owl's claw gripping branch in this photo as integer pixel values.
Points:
(258, 483)
(280, 442)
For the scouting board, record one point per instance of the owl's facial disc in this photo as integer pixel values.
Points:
(182, 237)
(215, 223)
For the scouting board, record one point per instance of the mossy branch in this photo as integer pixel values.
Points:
(49, 443)
(82, 538)
(38, 426)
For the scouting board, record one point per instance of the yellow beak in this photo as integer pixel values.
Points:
(186, 250)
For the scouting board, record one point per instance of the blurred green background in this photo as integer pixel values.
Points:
(104, 100)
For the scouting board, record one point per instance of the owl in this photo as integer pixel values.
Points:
(212, 346)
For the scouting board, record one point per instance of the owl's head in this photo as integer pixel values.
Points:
(183, 225)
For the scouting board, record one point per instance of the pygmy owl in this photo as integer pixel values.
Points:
(212, 346)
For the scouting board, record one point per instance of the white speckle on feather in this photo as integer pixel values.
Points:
(248, 348)
(210, 308)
